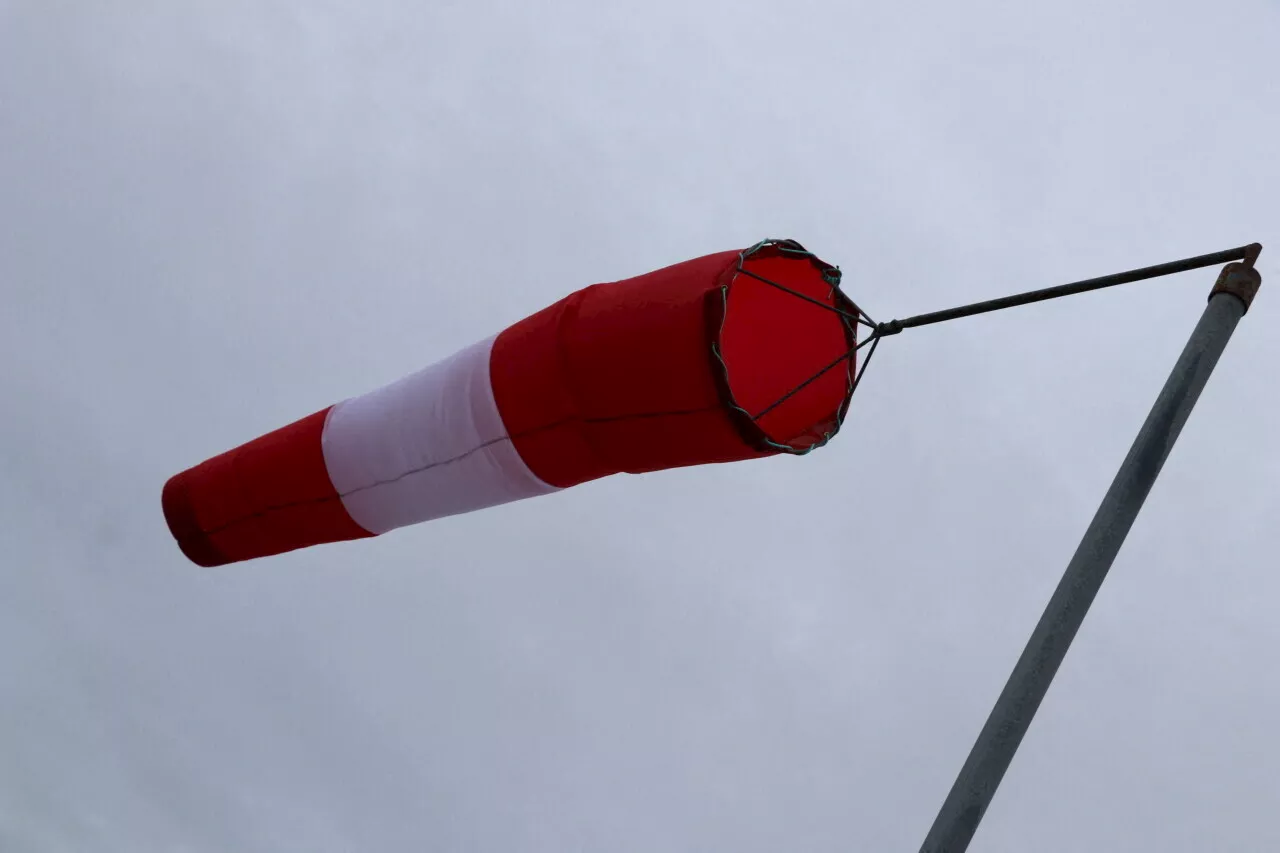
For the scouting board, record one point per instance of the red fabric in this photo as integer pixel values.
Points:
(264, 497)
(621, 377)
(772, 341)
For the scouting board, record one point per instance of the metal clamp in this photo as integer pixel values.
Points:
(1241, 280)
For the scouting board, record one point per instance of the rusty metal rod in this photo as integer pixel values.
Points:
(967, 802)
(1244, 253)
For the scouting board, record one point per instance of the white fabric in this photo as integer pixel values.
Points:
(429, 445)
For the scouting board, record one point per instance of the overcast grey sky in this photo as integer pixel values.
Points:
(216, 217)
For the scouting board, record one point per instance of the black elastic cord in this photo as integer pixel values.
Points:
(846, 314)
(872, 339)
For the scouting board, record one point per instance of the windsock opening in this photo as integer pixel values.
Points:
(785, 345)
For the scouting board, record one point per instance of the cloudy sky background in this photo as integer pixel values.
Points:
(218, 216)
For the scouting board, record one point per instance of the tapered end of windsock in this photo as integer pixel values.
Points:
(267, 496)
(180, 515)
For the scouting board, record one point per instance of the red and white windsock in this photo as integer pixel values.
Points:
(731, 356)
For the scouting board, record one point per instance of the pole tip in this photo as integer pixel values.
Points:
(1240, 280)
(1251, 253)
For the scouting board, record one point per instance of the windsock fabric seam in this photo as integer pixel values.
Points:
(265, 511)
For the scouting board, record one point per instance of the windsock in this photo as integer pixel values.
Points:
(736, 355)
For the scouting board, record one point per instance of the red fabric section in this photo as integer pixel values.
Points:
(772, 341)
(264, 497)
(621, 377)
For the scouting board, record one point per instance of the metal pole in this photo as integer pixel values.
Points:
(991, 755)
(1248, 254)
